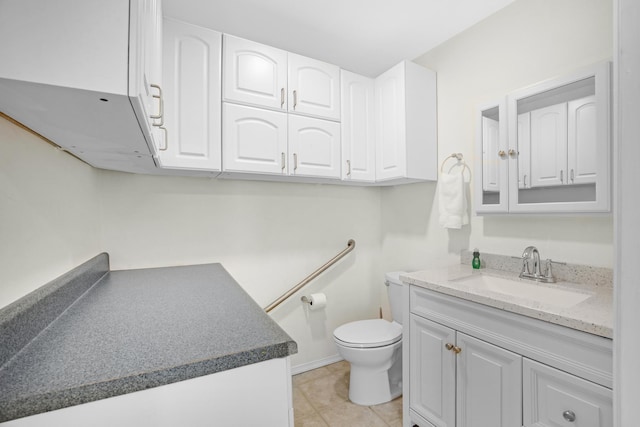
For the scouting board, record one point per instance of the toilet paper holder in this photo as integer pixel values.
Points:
(315, 301)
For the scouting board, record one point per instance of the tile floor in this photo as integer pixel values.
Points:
(321, 399)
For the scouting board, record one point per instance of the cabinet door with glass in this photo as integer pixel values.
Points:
(560, 144)
(491, 193)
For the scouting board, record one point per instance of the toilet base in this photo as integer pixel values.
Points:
(373, 385)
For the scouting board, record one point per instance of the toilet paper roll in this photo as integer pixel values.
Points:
(317, 301)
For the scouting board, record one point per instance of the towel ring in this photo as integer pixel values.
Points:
(461, 162)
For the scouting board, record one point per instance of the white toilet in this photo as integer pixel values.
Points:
(374, 350)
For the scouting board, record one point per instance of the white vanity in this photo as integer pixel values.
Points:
(485, 348)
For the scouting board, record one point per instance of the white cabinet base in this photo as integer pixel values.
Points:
(253, 395)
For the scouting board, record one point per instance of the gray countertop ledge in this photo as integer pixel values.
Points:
(127, 331)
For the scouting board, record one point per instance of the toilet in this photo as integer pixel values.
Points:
(374, 350)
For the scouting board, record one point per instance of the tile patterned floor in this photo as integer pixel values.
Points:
(321, 399)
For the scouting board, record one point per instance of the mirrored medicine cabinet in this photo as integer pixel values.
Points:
(547, 148)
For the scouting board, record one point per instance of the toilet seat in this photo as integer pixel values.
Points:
(368, 333)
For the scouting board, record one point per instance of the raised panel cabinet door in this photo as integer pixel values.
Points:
(582, 141)
(192, 59)
(254, 140)
(489, 385)
(490, 157)
(549, 146)
(390, 111)
(433, 372)
(554, 398)
(314, 147)
(314, 87)
(254, 73)
(358, 129)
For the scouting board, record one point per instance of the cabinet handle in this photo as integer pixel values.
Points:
(166, 138)
(453, 348)
(569, 416)
(501, 153)
(348, 167)
(572, 176)
(562, 176)
(525, 181)
(295, 99)
(295, 161)
(283, 161)
(512, 152)
(282, 98)
(160, 114)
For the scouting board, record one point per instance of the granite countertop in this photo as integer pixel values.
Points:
(139, 329)
(593, 315)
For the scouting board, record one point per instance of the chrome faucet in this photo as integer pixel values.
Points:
(532, 256)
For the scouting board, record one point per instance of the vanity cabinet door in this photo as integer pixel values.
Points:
(554, 398)
(433, 372)
(489, 385)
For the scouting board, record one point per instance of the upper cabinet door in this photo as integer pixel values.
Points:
(549, 146)
(254, 140)
(358, 129)
(314, 87)
(314, 147)
(254, 73)
(582, 142)
(191, 73)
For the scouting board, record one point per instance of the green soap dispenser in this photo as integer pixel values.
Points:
(475, 263)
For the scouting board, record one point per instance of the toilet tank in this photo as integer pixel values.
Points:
(394, 291)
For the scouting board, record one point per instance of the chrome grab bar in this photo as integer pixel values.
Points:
(351, 244)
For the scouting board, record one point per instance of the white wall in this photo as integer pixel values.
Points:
(269, 236)
(528, 41)
(49, 212)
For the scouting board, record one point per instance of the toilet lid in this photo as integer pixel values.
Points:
(369, 333)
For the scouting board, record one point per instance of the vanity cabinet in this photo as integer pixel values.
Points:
(192, 93)
(405, 112)
(93, 84)
(358, 128)
(555, 154)
(457, 377)
(474, 365)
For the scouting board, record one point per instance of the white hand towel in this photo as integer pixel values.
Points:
(452, 200)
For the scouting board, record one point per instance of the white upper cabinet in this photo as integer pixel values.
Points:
(491, 190)
(314, 87)
(358, 128)
(254, 140)
(405, 112)
(314, 147)
(77, 85)
(557, 153)
(254, 73)
(192, 86)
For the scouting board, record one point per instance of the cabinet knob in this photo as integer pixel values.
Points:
(453, 348)
(569, 416)
(512, 152)
(502, 153)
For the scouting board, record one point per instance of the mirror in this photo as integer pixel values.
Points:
(555, 153)
(491, 157)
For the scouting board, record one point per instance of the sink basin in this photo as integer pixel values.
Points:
(545, 294)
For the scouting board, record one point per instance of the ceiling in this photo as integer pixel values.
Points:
(363, 36)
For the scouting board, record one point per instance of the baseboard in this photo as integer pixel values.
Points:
(304, 367)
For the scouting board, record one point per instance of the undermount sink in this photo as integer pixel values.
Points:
(545, 294)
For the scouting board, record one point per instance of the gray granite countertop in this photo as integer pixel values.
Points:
(139, 329)
(593, 315)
